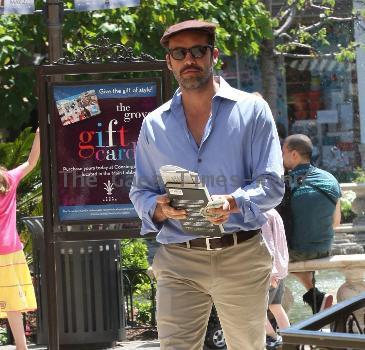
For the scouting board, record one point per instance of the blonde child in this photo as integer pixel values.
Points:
(16, 289)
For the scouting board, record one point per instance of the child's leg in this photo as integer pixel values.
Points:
(280, 315)
(269, 330)
(16, 324)
(268, 326)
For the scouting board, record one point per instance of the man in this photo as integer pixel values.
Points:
(315, 210)
(228, 137)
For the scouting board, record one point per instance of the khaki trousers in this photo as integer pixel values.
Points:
(236, 279)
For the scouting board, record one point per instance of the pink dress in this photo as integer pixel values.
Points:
(9, 238)
(16, 288)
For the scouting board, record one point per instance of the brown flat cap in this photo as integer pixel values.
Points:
(192, 24)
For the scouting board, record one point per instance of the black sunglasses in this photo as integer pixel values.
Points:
(198, 51)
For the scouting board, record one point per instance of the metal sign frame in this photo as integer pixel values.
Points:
(92, 62)
(101, 58)
(54, 139)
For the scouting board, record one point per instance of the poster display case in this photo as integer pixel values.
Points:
(99, 124)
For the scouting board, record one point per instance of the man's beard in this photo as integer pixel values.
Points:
(195, 82)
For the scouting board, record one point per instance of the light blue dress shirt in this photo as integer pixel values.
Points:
(239, 154)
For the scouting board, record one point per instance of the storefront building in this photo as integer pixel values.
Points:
(320, 97)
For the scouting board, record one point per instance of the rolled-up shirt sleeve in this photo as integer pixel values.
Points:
(145, 187)
(266, 189)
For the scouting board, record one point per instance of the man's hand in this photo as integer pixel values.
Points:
(165, 211)
(222, 213)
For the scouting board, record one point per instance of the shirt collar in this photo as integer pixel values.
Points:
(301, 168)
(225, 91)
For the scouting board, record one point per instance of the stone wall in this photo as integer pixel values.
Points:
(348, 243)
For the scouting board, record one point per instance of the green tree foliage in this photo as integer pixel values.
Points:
(302, 29)
(134, 254)
(299, 27)
(15, 153)
(359, 175)
(22, 42)
(134, 258)
(29, 192)
(243, 24)
(3, 334)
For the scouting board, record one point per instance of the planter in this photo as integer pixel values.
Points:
(358, 205)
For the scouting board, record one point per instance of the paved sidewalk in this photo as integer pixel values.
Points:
(130, 345)
(137, 345)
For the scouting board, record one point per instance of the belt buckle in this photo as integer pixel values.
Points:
(207, 243)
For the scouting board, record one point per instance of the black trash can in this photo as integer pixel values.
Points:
(91, 311)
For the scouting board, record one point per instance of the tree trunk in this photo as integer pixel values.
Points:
(268, 71)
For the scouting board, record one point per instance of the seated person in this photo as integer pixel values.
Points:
(315, 210)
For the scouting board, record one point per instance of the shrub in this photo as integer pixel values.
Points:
(134, 253)
(359, 175)
(347, 215)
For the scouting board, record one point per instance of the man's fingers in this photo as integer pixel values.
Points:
(220, 201)
(170, 212)
(173, 213)
(226, 206)
(178, 217)
(217, 211)
(162, 199)
(220, 220)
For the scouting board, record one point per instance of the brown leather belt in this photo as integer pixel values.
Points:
(218, 243)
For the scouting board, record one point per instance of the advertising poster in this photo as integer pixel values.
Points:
(96, 130)
(90, 5)
(21, 7)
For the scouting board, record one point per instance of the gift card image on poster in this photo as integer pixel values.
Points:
(78, 107)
